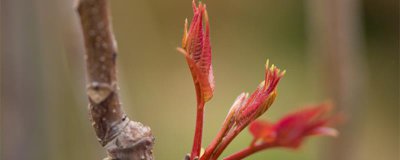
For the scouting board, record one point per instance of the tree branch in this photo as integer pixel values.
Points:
(122, 138)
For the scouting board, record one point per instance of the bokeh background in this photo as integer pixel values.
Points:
(346, 51)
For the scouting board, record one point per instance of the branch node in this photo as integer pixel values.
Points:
(98, 92)
(122, 138)
(134, 142)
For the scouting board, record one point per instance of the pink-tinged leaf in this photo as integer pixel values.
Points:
(194, 6)
(210, 84)
(262, 130)
(196, 73)
(196, 43)
(195, 36)
(185, 34)
(205, 57)
(239, 103)
(262, 98)
(325, 131)
(206, 89)
(195, 18)
(292, 129)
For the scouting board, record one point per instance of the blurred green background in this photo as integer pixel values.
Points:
(346, 51)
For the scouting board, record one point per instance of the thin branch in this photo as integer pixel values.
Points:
(249, 151)
(121, 137)
(198, 132)
(225, 142)
(217, 140)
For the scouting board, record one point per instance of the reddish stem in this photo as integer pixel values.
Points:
(249, 151)
(199, 124)
(228, 139)
(198, 131)
(225, 142)
(216, 141)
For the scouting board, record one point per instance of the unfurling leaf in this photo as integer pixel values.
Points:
(196, 48)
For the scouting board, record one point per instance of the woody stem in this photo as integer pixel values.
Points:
(121, 137)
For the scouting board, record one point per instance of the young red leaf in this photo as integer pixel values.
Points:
(197, 50)
(291, 130)
(245, 110)
(288, 132)
(264, 131)
(262, 98)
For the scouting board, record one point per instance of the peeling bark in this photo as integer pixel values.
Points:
(122, 138)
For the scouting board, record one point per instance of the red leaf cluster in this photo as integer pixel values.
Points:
(291, 130)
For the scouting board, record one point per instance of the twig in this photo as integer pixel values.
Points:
(249, 151)
(198, 133)
(226, 141)
(122, 138)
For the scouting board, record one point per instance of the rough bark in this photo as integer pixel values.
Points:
(122, 138)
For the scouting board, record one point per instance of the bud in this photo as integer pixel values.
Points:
(196, 48)
(239, 103)
(261, 99)
(244, 110)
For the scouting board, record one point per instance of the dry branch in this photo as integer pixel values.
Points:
(122, 138)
